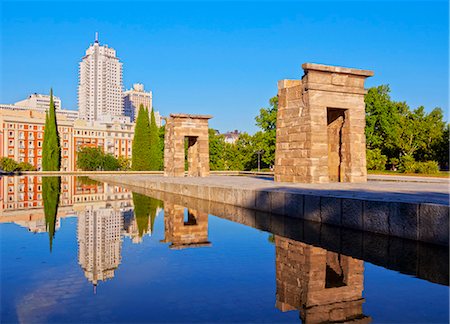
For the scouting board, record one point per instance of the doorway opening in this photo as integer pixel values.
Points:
(192, 156)
(335, 127)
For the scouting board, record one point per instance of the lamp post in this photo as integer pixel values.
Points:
(259, 152)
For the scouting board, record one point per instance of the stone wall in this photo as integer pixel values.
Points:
(320, 126)
(194, 130)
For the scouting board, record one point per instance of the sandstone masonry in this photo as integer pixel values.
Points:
(320, 126)
(193, 129)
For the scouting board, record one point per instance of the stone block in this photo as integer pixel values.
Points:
(293, 205)
(217, 194)
(229, 196)
(277, 202)
(403, 220)
(203, 192)
(248, 198)
(376, 217)
(352, 213)
(311, 208)
(330, 210)
(434, 223)
(262, 200)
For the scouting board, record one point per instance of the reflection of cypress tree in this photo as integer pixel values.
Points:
(144, 210)
(51, 188)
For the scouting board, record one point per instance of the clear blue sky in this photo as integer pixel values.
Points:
(225, 58)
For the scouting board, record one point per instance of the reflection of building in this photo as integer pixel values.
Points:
(100, 83)
(99, 242)
(324, 286)
(185, 228)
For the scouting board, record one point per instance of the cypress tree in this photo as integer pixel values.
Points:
(51, 189)
(140, 159)
(155, 148)
(51, 149)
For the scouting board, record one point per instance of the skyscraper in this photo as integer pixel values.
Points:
(135, 97)
(100, 83)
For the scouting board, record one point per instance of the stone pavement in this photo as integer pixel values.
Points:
(417, 211)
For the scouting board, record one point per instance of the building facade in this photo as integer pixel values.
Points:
(135, 97)
(100, 83)
(39, 101)
(22, 137)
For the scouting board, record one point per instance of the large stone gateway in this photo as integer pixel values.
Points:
(320, 126)
(191, 131)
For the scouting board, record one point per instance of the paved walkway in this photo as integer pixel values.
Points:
(415, 192)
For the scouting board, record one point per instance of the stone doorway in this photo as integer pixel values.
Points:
(336, 132)
(193, 157)
(186, 142)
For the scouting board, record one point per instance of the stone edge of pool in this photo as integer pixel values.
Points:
(426, 222)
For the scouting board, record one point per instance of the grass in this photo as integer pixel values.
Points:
(440, 174)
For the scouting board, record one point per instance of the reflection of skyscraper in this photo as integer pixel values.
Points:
(184, 227)
(99, 242)
(324, 286)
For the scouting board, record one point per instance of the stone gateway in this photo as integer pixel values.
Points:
(191, 131)
(320, 126)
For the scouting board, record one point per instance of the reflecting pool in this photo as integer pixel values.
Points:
(75, 250)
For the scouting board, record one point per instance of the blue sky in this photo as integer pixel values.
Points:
(225, 58)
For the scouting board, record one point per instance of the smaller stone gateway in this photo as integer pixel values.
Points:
(320, 126)
(190, 130)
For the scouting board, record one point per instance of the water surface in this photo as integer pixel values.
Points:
(73, 250)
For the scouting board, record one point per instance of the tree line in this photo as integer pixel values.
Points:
(397, 137)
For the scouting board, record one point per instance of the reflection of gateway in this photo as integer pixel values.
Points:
(324, 286)
(185, 231)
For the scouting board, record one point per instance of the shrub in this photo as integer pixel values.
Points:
(375, 160)
(428, 167)
(25, 166)
(8, 165)
(407, 164)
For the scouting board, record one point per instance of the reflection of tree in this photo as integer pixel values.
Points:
(145, 209)
(51, 189)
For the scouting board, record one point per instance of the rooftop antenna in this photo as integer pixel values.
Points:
(96, 37)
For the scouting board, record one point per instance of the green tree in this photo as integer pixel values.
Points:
(140, 159)
(90, 158)
(110, 163)
(145, 209)
(51, 189)
(216, 150)
(441, 148)
(51, 150)
(162, 133)
(266, 138)
(155, 157)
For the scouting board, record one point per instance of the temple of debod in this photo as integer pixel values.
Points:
(320, 165)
